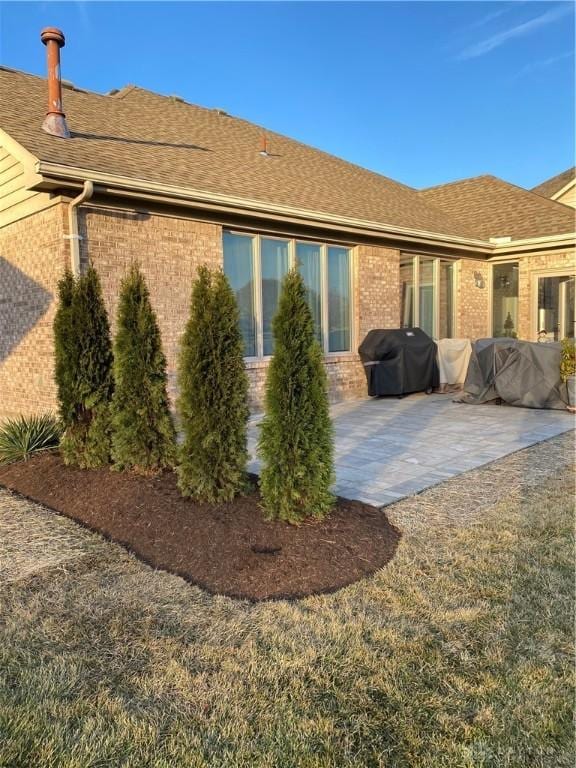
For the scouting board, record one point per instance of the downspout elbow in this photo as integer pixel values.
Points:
(74, 236)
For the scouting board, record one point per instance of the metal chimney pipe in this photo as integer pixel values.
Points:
(55, 120)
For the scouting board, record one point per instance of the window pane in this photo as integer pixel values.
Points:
(446, 300)
(426, 292)
(238, 266)
(274, 259)
(338, 300)
(309, 265)
(505, 300)
(407, 293)
(555, 308)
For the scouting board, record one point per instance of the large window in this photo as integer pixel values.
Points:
(339, 339)
(427, 295)
(255, 266)
(274, 261)
(505, 300)
(239, 267)
(309, 261)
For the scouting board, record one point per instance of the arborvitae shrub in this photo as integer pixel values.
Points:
(296, 442)
(213, 401)
(65, 350)
(84, 371)
(143, 436)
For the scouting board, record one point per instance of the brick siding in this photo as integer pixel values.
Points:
(169, 250)
(472, 302)
(33, 254)
(528, 269)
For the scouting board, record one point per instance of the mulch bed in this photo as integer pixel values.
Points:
(227, 549)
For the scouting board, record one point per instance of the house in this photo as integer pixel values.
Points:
(561, 187)
(133, 175)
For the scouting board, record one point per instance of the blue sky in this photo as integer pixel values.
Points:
(424, 92)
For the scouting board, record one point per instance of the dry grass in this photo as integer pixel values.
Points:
(456, 655)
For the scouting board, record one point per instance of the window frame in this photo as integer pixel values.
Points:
(436, 274)
(292, 241)
(498, 263)
(535, 278)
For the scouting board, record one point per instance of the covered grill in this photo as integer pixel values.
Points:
(521, 373)
(398, 361)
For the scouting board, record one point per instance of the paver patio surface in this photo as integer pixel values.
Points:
(388, 448)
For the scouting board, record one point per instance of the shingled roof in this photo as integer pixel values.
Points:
(495, 208)
(139, 134)
(551, 186)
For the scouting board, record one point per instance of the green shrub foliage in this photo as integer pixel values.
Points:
(143, 436)
(83, 354)
(296, 441)
(568, 360)
(213, 402)
(65, 362)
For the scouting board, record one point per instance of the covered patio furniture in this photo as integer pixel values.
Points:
(520, 373)
(399, 361)
(453, 360)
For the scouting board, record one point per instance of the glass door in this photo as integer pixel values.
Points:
(505, 299)
(407, 292)
(555, 307)
(427, 295)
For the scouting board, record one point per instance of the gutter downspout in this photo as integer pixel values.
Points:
(74, 237)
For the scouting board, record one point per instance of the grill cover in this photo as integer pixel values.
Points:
(522, 373)
(398, 361)
(453, 359)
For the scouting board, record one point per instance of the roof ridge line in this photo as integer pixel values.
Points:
(531, 192)
(460, 181)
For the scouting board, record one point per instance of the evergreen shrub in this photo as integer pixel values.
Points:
(296, 439)
(213, 399)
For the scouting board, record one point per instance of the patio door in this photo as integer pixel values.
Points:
(427, 295)
(554, 306)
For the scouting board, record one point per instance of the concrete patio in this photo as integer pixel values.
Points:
(387, 448)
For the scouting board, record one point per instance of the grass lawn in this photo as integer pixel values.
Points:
(456, 654)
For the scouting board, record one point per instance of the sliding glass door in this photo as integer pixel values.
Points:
(446, 303)
(427, 295)
(555, 307)
(505, 300)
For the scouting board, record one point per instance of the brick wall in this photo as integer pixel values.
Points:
(33, 254)
(377, 281)
(169, 251)
(345, 372)
(563, 261)
(473, 297)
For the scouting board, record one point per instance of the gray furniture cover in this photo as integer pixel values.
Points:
(521, 373)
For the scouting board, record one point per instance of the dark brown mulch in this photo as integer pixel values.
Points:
(227, 549)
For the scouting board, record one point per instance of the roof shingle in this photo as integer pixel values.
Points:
(495, 208)
(549, 187)
(142, 135)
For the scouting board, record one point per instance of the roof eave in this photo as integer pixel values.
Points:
(53, 175)
(563, 190)
(18, 151)
(564, 240)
